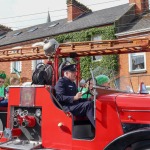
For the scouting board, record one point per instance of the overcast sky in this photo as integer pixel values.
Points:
(9, 9)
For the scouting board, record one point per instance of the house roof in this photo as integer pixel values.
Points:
(138, 25)
(94, 19)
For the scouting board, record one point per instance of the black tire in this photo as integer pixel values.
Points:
(142, 145)
(134, 140)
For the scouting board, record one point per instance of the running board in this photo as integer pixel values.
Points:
(21, 144)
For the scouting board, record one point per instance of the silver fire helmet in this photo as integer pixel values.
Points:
(50, 46)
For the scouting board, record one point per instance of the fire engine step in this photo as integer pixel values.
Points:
(20, 145)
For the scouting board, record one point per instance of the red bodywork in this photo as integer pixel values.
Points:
(111, 111)
(134, 108)
(56, 137)
(54, 129)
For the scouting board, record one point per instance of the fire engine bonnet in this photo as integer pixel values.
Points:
(101, 79)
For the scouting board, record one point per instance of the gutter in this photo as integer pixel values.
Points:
(133, 32)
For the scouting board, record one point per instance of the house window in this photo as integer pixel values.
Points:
(53, 25)
(96, 37)
(17, 33)
(137, 62)
(32, 29)
(35, 62)
(15, 66)
(2, 36)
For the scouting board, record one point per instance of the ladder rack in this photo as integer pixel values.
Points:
(79, 49)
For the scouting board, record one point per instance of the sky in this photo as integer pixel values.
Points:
(19, 14)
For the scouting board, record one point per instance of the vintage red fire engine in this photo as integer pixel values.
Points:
(34, 118)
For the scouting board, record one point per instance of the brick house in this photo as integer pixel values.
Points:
(135, 66)
(79, 18)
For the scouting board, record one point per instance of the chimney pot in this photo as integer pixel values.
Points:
(75, 9)
(141, 6)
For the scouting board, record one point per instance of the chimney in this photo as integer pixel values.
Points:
(75, 10)
(141, 6)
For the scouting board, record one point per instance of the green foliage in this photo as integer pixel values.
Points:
(107, 33)
(85, 35)
(85, 67)
(109, 65)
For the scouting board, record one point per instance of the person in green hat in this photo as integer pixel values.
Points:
(102, 80)
(87, 89)
(2, 88)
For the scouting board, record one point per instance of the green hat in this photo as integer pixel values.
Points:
(101, 79)
(2, 75)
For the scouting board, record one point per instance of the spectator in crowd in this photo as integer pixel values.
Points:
(102, 80)
(3, 91)
(87, 89)
(14, 81)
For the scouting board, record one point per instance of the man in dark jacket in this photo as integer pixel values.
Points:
(69, 97)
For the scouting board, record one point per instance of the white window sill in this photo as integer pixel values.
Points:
(137, 71)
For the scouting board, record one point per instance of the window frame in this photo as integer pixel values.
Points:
(130, 65)
(13, 66)
(95, 38)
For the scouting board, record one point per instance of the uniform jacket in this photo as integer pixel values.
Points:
(65, 91)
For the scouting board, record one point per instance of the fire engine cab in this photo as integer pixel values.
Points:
(34, 119)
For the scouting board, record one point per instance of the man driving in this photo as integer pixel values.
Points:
(69, 97)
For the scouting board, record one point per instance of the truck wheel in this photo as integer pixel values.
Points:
(143, 145)
(129, 148)
(134, 140)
